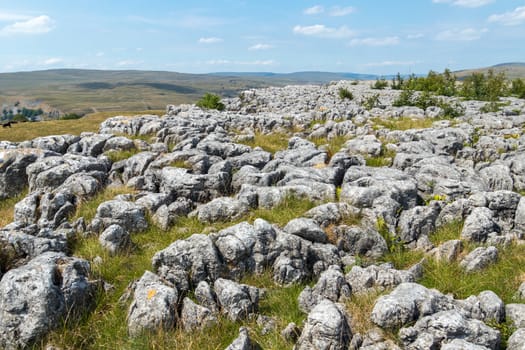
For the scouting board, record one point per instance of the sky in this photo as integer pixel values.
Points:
(362, 36)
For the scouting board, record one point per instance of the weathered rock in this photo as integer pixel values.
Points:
(479, 225)
(154, 305)
(416, 222)
(447, 251)
(187, 262)
(460, 344)
(115, 239)
(516, 314)
(36, 296)
(487, 306)
(195, 317)
(221, 209)
(243, 341)
(327, 327)
(128, 215)
(331, 285)
(374, 277)
(431, 331)
(307, 229)
(479, 258)
(406, 303)
(360, 241)
(237, 301)
(13, 164)
(206, 296)
(291, 332)
(517, 340)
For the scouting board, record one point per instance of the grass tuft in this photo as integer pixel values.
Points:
(116, 156)
(503, 278)
(404, 123)
(7, 208)
(269, 142)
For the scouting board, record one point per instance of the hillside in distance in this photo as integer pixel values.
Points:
(512, 70)
(85, 91)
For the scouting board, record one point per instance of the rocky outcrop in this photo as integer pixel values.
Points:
(196, 164)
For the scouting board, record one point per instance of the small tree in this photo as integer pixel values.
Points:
(380, 84)
(210, 101)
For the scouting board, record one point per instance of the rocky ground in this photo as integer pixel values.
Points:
(470, 169)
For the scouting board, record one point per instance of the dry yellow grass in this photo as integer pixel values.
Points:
(7, 208)
(91, 122)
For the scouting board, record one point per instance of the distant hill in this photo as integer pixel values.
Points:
(85, 91)
(512, 70)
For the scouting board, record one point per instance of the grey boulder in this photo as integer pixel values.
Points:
(331, 285)
(237, 301)
(327, 328)
(479, 258)
(154, 305)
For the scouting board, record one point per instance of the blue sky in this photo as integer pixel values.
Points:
(362, 36)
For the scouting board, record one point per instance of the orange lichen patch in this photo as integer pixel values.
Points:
(151, 293)
(320, 166)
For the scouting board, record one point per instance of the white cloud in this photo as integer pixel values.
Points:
(513, 18)
(100, 54)
(258, 47)
(415, 36)
(320, 30)
(337, 11)
(211, 40)
(218, 62)
(125, 63)
(51, 61)
(391, 63)
(467, 34)
(464, 3)
(386, 41)
(314, 10)
(35, 25)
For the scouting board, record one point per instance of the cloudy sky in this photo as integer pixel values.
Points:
(366, 36)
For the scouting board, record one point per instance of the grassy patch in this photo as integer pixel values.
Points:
(503, 277)
(106, 327)
(116, 156)
(28, 131)
(446, 232)
(269, 142)
(360, 306)
(289, 208)
(404, 123)
(88, 209)
(180, 163)
(333, 145)
(7, 208)
(385, 158)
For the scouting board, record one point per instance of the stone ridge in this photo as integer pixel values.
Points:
(471, 168)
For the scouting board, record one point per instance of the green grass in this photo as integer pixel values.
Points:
(503, 278)
(333, 145)
(116, 156)
(385, 158)
(106, 326)
(269, 142)
(91, 122)
(403, 123)
(446, 232)
(88, 209)
(7, 208)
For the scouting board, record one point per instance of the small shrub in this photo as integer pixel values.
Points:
(345, 94)
(71, 116)
(380, 84)
(211, 101)
(371, 102)
(385, 158)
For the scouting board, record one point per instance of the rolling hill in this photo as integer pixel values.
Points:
(512, 70)
(85, 91)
